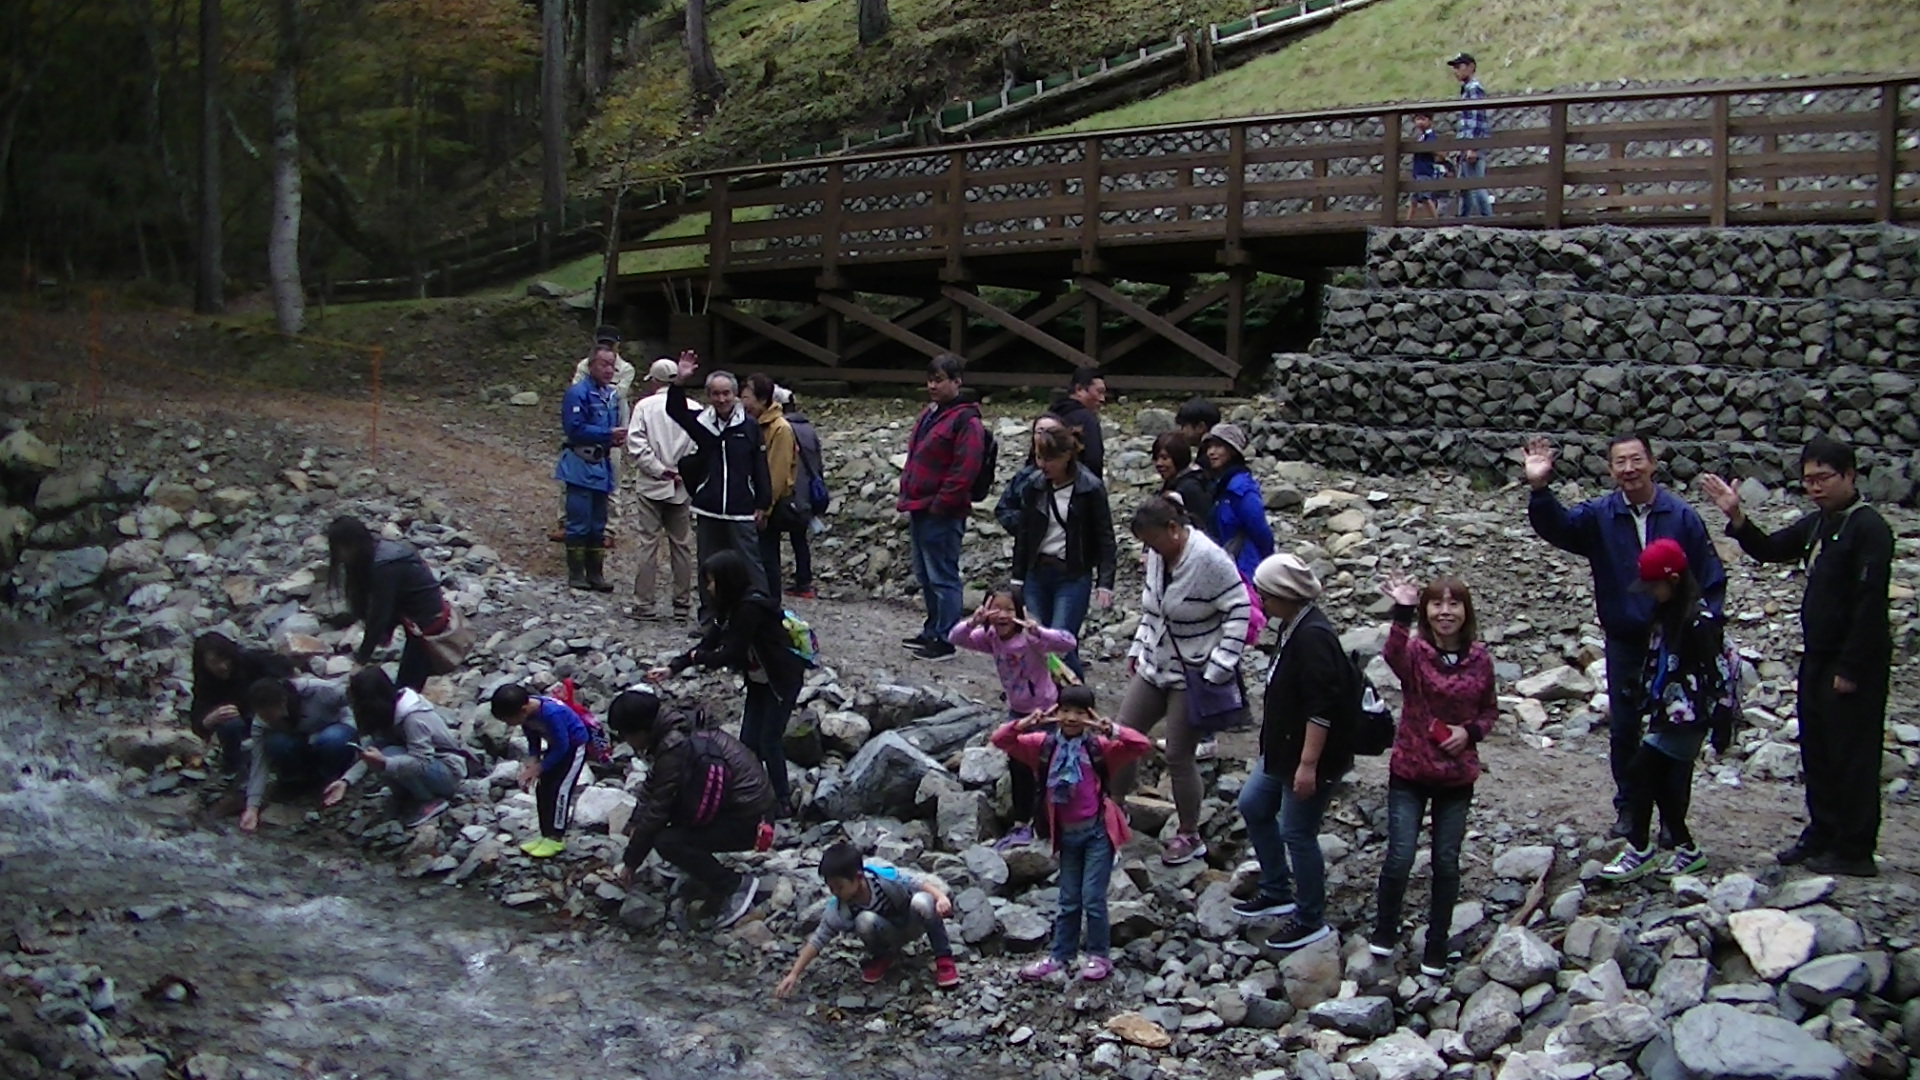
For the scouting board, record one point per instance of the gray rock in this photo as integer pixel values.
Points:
(1680, 986)
(1024, 928)
(882, 779)
(78, 568)
(1519, 959)
(1799, 892)
(1312, 975)
(945, 732)
(1873, 1053)
(1561, 683)
(71, 488)
(986, 866)
(1822, 982)
(1833, 932)
(1604, 985)
(1490, 1017)
(1735, 892)
(1361, 1017)
(642, 911)
(1401, 1056)
(1719, 1042)
(1214, 913)
(1905, 985)
(1153, 422)
(1603, 1033)
(1592, 939)
(1524, 863)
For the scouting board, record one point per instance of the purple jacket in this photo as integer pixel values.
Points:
(1021, 660)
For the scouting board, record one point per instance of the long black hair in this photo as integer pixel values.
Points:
(372, 695)
(350, 561)
(732, 581)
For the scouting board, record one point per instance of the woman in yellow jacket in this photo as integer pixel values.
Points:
(783, 457)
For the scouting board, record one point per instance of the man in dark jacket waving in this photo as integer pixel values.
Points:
(1847, 549)
(1610, 531)
(727, 476)
(705, 793)
(945, 452)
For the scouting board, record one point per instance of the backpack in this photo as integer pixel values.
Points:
(801, 640)
(989, 457)
(708, 779)
(811, 485)
(1372, 716)
(599, 743)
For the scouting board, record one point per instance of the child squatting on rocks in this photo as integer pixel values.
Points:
(557, 741)
(887, 908)
(1072, 749)
(1019, 648)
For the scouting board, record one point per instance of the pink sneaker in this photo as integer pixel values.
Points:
(1096, 969)
(1183, 849)
(1040, 970)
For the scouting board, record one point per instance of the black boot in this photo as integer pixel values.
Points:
(596, 568)
(577, 567)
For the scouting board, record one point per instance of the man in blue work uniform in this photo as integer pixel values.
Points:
(590, 420)
(1609, 531)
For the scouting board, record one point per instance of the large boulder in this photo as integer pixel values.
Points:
(1603, 1034)
(71, 488)
(23, 456)
(882, 779)
(945, 732)
(1719, 1042)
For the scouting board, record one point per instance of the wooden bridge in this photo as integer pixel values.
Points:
(1134, 249)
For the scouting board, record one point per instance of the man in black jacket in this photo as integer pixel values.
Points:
(727, 476)
(1080, 409)
(680, 815)
(1847, 549)
(1305, 748)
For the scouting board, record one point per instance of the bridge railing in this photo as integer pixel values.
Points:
(1773, 152)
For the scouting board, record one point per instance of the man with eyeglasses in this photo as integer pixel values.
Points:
(1846, 549)
(1609, 531)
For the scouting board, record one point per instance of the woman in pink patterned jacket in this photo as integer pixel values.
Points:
(1446, 683)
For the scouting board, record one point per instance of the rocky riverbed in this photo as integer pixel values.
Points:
(169, 526)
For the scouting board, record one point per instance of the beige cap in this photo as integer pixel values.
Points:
(663, 371)
(1287, 577)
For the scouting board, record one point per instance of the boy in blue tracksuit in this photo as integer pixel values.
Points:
(557, 741)
(590, 419)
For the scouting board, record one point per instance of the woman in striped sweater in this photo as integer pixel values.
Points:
(1193, 613)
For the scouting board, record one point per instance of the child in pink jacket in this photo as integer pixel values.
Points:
(1073, 751)
(1019, 648)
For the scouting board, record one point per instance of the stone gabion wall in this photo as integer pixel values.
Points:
(1731, 347)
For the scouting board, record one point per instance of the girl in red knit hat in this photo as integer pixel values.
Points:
(1446, 682)
(1684, 679)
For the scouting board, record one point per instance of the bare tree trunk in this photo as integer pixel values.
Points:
(874, 21)
(709, 86)
(283, 244)
(209, 283)
(598, 32)
(553, 121)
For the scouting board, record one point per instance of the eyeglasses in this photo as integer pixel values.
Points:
(1819, 479)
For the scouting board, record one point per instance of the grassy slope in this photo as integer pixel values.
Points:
(823, 83)
(1393, 51)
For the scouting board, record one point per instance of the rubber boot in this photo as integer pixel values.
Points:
(596, 569)
(577, 567)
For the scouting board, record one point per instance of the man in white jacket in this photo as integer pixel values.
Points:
(656, 444)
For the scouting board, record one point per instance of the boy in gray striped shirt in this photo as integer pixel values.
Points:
(887, 907)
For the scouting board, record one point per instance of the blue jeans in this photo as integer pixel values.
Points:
(322, 756)
(1474, 202)
(1286, 838)
(418, 780)
(586, 515)
(936, 566)
(1086, 865)
(1626, 666)
(1058, 602)
(763, 728)
(1406, 805)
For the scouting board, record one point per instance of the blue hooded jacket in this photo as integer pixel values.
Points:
(1239, 522)
(556, 728)
(588, 415)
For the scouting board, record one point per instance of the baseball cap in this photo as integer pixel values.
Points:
(607, 335)
(663, 370)
(1460, 58)
(1661, 560)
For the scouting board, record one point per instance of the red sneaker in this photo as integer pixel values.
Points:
(802, 594)
(945, 975)
(876, 969)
